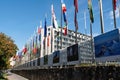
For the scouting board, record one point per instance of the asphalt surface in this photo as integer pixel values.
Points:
(12, 76)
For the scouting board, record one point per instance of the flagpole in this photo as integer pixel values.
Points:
(51, 31)
(101, 16)
(119, 10)
(91, 21)
(76, 26)
(40, 37)
(75, 35)
(45, 34)
(75, 19)
(92, 46)
(119, 7)
(61, 24)
(114, 14)
(85, 22)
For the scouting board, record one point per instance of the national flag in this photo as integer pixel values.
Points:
(48, 41)
(45, 29)
(90, 11)
(54, 21)
(44, 43)
(76, 5)
(65, 19)
(20, 54)
(39, 30)
(75, 20)
(28, 47)
(114, 4)
(65, 31)
(35, 49)
(64, 12)
(24, 49)
(31, 45)
(35, 44)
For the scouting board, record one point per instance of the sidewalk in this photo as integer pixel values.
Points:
(12, 76)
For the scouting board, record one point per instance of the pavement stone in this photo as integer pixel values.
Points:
(12, 76)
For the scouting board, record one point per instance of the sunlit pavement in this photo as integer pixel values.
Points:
(12, 76)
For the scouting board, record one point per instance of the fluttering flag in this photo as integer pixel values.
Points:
(76, 11)
(35, 45)
(76, 5)
(64, 13)
(20, 54)
(65, 31)
(39, 30)
(48, 41)
(90, 11)
(39, 36)
(45, 29)
(65, 19)
(75, 20)
(44, 42)
(31, 45)
(114, 4)
(54, 21)
(24, 49)
(35, 49)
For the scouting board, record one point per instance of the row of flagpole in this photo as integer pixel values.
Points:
(63, 12)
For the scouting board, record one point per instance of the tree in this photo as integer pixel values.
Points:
(7, 49)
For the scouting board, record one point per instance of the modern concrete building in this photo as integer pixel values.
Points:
(52, 43)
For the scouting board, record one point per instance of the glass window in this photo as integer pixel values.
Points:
(48, 29)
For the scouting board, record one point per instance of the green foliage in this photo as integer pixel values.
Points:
(7, 50)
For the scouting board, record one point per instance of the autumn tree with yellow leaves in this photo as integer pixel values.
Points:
(7, 49)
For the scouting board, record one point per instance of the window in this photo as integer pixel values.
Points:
(48, 29)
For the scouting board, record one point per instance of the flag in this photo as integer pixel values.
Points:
(114, 4)
(54, 21)
(90, 11)
(39, 30)
(48, 41)
(45, 29)
(64, 12)
(24, 49)
(31, 45)
(65, 19)
(44, 43)
(35, 49)
(65, 30)
(76, 5)
(75, 20)
(20, 54)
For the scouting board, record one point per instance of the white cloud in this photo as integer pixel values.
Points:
(116, 13)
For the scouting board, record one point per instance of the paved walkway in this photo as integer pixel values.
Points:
(12, 76)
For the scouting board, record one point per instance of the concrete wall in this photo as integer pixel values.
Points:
(73, 73)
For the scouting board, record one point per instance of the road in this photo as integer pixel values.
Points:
(12, 76)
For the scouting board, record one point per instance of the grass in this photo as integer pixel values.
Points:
(3, 76)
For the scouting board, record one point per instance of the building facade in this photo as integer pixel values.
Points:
(51, 45)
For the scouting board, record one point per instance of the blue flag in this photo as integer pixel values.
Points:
(45, 29)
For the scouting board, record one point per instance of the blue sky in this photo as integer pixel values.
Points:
(20, 18)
